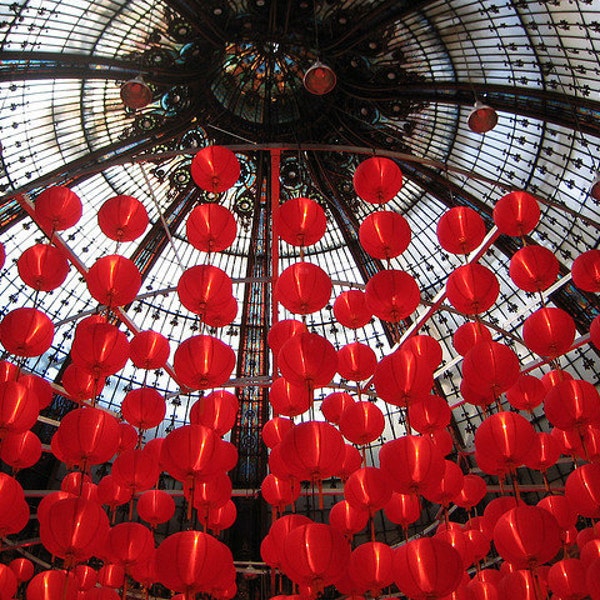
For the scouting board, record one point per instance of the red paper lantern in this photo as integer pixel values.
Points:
(472, 493)
(356, 361)
(114, 280)
(26, 332)
(303, 288)
(211, 492)
(288, 399)
(135, 470)
(128, 437)
(215, 169)
(43, 267)
(566, 578)
(309, 360)
(582, 490)
(384, 234)
(371, 565)
(8, 582)
(123, 218)
(22, 568)
(221, 315)
(143, 408)
(334, 405)
(155, 507)
(111, 576)
(460, 230)
(57, 208)
(279, 492)
(369, 488)
(544, 452)
(222, 517)
(534, 268)
(429, 414)
(39, 388)
(129, 543)
(491, 367)
(203, 287)
(554, 377)
(203, 362)
(217, 410)
(425, 347)
(377, 180)
(282, 331)
(392, 295)
(586, 271)
(472, 289)
(19, 409)
(351, 462)
(362, 423)
(403, 509)
(101, 349)
(111, 493)
(549, 331)
(527, 393)
(449, 486)
(516, 214)
(573, 403)
(80, 384)
(21, 450)
(86, 576)
(302, 222)
(347, 518)
(149, 350)
(469, 334)
(50, 585)
(9, 371)
(560, 509)
(351, 310)
(274, 429)
(211, 228)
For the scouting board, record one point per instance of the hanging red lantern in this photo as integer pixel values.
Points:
(122, 218)
(215, 169)
(274, 429)
(39, 388)
(313, 450)
(80, 384)
(427, 568)
(356, 361)
(460, 230)
(377, 180)
(21, 450)
(211, 228)
(43, 267)
(582, 490)
(26, 332)
(573, 404)
(429, 414)
(527, 536)
(282, 331)
(384, 234)
(362, 423)
(426, 348)
(449, 486)
(135, 470)
(88, 436)
(278, 532)
(347, 518)
(288, 399)
(403, 509)
(473, 491)
(527, 393)
(469, 334)
(303, 288)
(472, 289)
(566, 578)
(22, 568)
(371, 565)
(516, 213)
(221, 315)
(8, 582)
(505, 438)
(534, 268)
(53, 584)
(369, 488)
(560, 509)
(144, 408)
(586, 271)
(351, 462)
(351, 310)
(217, 410)
(203, 362)
(554, 377)
(111, 493)
(491, 366)
(392, 295)
(203, 287)
(402, 378)
(544, 453)
(549, 331)
(128, 437)
(129, 543)
(155, 507)
(114, 280)
(101, 349)
(223, 517)
(334, 405)
(309, 360)
(412, 463)
(73, 529)
(302, 222)
(57, 208)
(149, 350)
(19, 409)
(279, 492)
(111, 576)
(458, 540)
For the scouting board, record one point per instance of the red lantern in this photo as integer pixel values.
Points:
(472, 289)
(80, 384)
(449, 486)
(279, 492)
(203, 287)
(560, 509)
(362, 423)
(135, 470)
(384, 234)
(303, 288)
(527, 536)
(566, 578)
(347, 518)
(460, 230)
(273, 431)
(111, 576)
(352, 462)
(22, 568)
(544, 453)
(26, 332)
(469, 334)
(505, 439)
(573, 403)
(288, 399)
(582, 490)
(128, 437)
(217, 410)
(149, 350)
(21, 450)
(368, 488)
(554, 377)
(19, 409)
(203, 362)
(371, 565)
(57, 208)
(403, 509)
(211, 228)
(308, 359)
(8, 582)
(111, 493)
(334, 405)
(425, 347)
(351, 310)
(155, 507)
(211, 492)
(53, 584)
(586, 271)
(429, 414)
(356, 361)
(527, 393)
(549, 331)
(534, 268)
(143, 408)
(427, 568)
(43, 267)
(282, 331)
(302, 222)
(491, 367)
(412, 463)
(215, 169)
(392, 295)
(472, 493)
(114, 280)
(516, 214)
(377, 180)
(101, 349)
(122, 218)
(222, 517)
(222, 314)
(129, 543)
(39, 388)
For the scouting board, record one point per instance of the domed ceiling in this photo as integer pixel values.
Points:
(230, 72)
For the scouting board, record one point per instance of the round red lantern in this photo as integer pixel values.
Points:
(288, 399)
(491, 366)
(111, 493)
(472, 289)
(356, 361)
(351, 310)
(352, 462)
(26, 332)
(215, 169)
(80, 384)
(114, 280)
(460, 230)
(22, 568)
(21, 450)
(582, 490)
(43, 267)
(403, 509)
(149, 350)
(135, 470)
(362, 423)
(586, 271)
(392, 295)
(533, 268)
(282, 331)
(302, 222)
(426, 348)
(573, 403)
(449, 486)
(203, 287)
(472, 493)
(222, 517)
(279, 492)
(347, 518)
(129, 543)
(143, 408)
(155, 507)
(334, 405)
(377, 180)
(517, 213)
(549, 331)
(101, 349)
(469, 334)
(53, 584)
(371, 565)
(123, 218)
(303, 288)
(429, 414)
(217, 410)
(544, 453)
(57, 208)
(368, 488)
(274, 429)
(527, 393)
(384, 234)
(566, 578)
(19, 409)
(211, 227)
